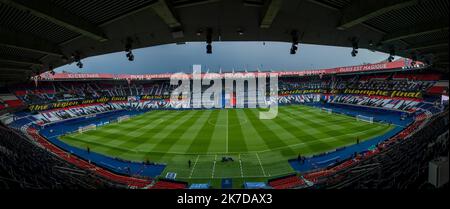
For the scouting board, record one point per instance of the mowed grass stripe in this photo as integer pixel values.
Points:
(276, 126)
(120, 131)
(333, 121)
(236, 139)
(146, 148)
(350, 124)
(155, 135)
(297, 129)
(331, 140)
(325, 131)
(174, 136)
(131, 143)
(174, 125)
(313, 114)
(160, 151)
(319, 129)
(99, 141)
(252, 139)
(310, 115)
(103, 133)
(189, 135)
(316, 128)
(271, 139)
(115, 147)
(301, 133)
(203, 138)
(365, 135)
(218, 138)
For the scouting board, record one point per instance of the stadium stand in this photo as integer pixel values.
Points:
(286, 182)
(392, 91)
(390, 164)
(36, 109)
(409, 101)
(416, 151)
(169, 184)
(125, 180)
(25, 165)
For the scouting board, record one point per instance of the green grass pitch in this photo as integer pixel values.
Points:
(260, 148)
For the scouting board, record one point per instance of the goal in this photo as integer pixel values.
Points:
(86, 128)
(123, 118)
(327, 110)
(364, 118)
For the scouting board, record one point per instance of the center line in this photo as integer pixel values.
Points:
(226, 136)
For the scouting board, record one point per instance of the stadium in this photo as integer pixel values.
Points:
(381, 125)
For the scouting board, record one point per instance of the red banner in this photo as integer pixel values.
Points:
(398, 64)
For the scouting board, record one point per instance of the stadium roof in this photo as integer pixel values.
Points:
(36, 36)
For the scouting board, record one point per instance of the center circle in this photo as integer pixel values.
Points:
(210, 122)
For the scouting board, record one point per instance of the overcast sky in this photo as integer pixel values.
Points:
(226, 56)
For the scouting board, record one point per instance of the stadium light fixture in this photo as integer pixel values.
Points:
(199, 32)
(51, 69)
(209, 41)
(294, 47)
(354, 46)
(80, 64)
(77, 59)
(391, 55)
(130, 56)
(128, 49)
(390, 58)
(354, 52)
(209, 49)
(240, 32)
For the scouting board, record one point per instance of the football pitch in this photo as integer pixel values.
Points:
(260, 149)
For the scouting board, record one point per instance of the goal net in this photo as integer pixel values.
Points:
(123, 118)
(327, 110)
(364, 118)
(86, 128)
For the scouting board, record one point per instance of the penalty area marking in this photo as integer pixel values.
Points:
(214, 166)
(240, 165)
(193, 167)
(260, 164)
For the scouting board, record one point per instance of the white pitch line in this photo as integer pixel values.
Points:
(214, 166)
(240, 165)
(262, 168)
(193, 167)
(327, 139)
(226, 136)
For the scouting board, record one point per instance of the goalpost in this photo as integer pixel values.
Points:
(364, 118)
(327, 110)
(123, 118)
(86, 128)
